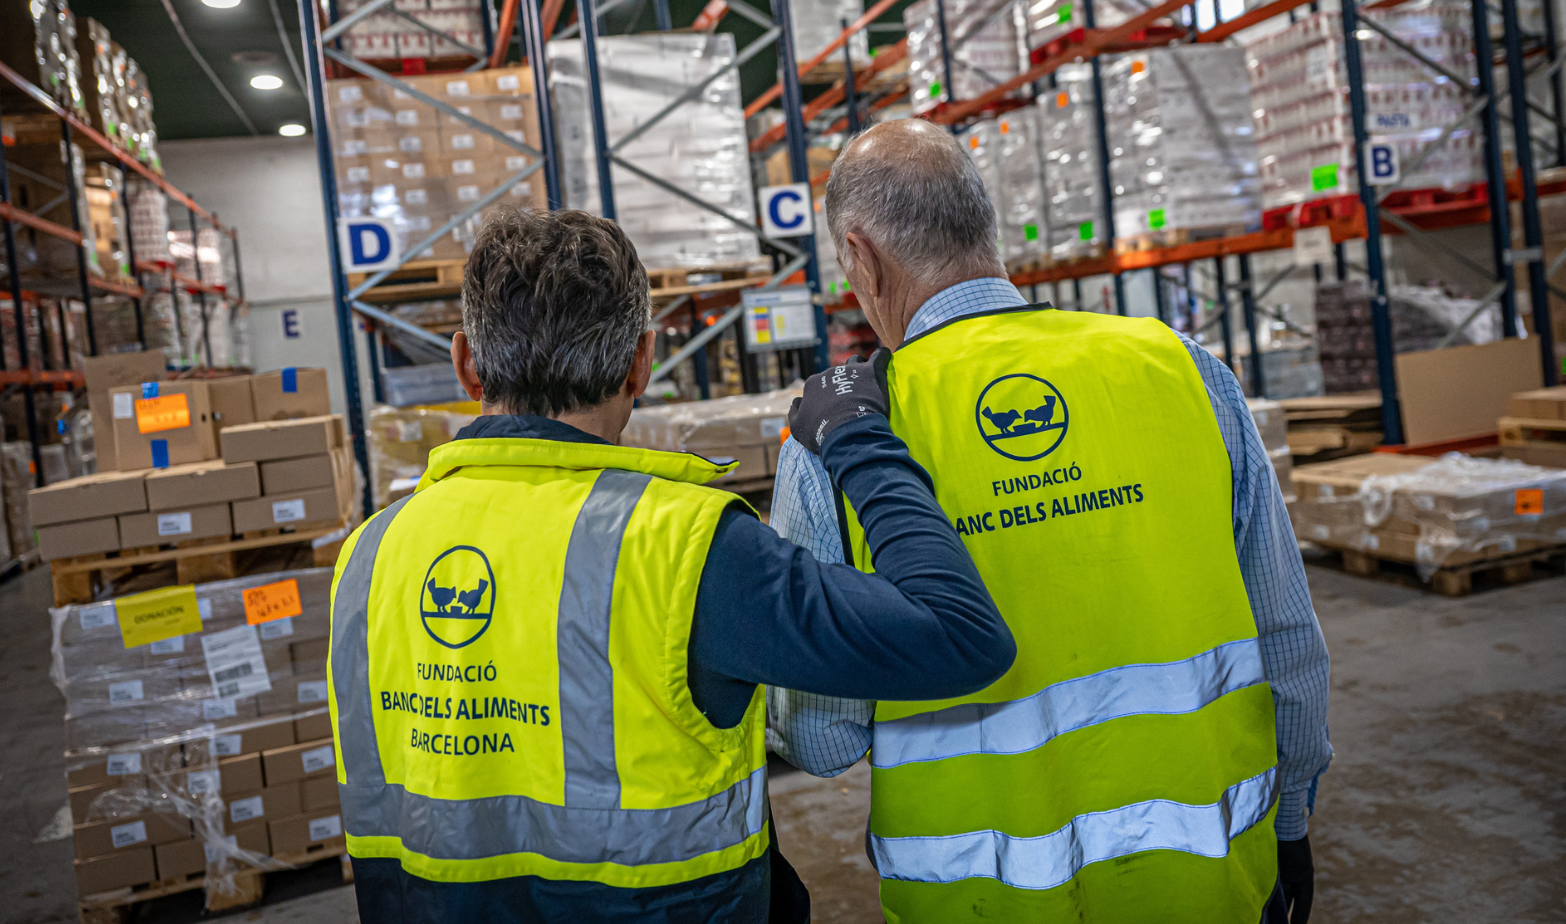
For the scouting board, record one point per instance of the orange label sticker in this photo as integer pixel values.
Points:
(973, 142)
(1005, 128)
(1062, 99)
(1530, 502)
(272, 601)
(168, 412)
(1138, 66)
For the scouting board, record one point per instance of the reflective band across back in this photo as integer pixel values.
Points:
(586, 679)
(1052, 859)
(1025, 724)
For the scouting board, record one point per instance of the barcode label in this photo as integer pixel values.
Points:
(318, 759)
(173, 645)
(124, 406)
(246, 809)
(323, 828)
(128, 691)
(229, 690)
(412, 144)
(204, 605)
(204, 781)
(510, 112)
(508, 82)
(277, 628)
(463, 167)
(349, 94)
(288, 511)
(312, 691)
(123, 764)
(174, 524)
(213, 709)
(228, 745)
(242, 669)
(97, 617)
(416, 197)
(407, 117)
(358, 174)
(462, 142)
(126, 835)
(457, 88)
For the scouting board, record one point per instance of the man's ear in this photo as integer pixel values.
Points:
(866, 262)
(641, 365)
(467, 372)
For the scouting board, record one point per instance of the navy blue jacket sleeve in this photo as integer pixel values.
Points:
(922, 627)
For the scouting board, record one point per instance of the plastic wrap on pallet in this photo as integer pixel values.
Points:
(39, 39)
(744, 428)
(1071, 163)
(1454, 510)
(1182, 148)
(157, 732)
(384, 35)
(1006, 152)
(701, 147)
(989, 46)
(1299, 93)
(16, 479)
(818, 23)
(1054, 19)
(401, 439)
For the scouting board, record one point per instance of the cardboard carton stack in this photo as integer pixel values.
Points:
(203, 744)
(401, 439)
(1273, 424)
(745, 428)
(1332, 426)
(1534, 428)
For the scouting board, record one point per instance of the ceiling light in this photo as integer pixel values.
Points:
(266, 82)
(291, 130)
(221, 4)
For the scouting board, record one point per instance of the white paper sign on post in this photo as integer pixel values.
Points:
(1312, 246)
(786, 211)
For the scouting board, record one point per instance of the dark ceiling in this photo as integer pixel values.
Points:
(241, 42)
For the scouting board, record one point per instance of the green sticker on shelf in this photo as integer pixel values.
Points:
(935, 89)
(1065, 14)
(1155, 219)
(1085, 231)
(1030, 232)
(1324, 177)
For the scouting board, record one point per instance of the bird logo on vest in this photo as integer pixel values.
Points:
(1021, 416)
(457, 598)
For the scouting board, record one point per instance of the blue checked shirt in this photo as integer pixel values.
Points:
(825, 735)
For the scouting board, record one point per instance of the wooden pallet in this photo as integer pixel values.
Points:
(1522, 431)
(833, 71)
(676, 281)
(1458, 580)
(1173, 237)
(118, 907)
(417, 280)
(76, 580)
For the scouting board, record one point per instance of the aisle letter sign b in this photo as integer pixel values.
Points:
(1381, 160)
(367, 244)
(786, 211)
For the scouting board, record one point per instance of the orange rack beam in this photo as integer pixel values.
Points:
(68, 377)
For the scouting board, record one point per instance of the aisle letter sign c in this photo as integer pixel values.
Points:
(786, 211)
(367, 244)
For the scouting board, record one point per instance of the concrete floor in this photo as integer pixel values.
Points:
(1446, 801)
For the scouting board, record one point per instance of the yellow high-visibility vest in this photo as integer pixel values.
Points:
(1124, 769)
(508, 673)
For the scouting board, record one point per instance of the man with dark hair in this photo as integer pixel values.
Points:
(546, 662)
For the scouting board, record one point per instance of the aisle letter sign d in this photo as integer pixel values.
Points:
(367, 244)
(786, 211)
(1381, 161)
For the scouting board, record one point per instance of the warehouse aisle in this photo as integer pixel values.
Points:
(1444, 801)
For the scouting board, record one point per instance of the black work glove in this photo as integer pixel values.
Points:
(838, 396)
(1297, 874)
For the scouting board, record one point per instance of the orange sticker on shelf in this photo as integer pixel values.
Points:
(973, 141)
(272, 601)
(167, 412)
(1005, 128)
(1062, 99)
(1138, 66)
(1530, 502)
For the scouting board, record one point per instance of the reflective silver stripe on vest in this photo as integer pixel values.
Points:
(1022, 725)
(474, 829)
(1052, 860)
(582, 640)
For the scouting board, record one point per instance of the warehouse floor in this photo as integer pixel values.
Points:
(1445, 801)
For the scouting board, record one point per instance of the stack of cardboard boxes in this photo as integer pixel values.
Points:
(1534, 428)
(196, 752)
(199, 459)
(743, 428)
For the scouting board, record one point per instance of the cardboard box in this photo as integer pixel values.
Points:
(230, 777)
(237, 742)
(1461, 391)
(84, 537)
(293, 694)
(97, 838)
(318, 794)
(125, 767)
(179, 487)
(192, 442)
(290, 393)
(306, 832)
(231, 401)
(102, 373)
(116, 871)
(264, 441)
(88, 497)
(1539, 404)
(183, 859)
(265, 804)
(1547, 456)
(309, 657)
(138, 530)
(320, 505)
(315, 726)
(82, 798)
(282, 476)
(301, 761)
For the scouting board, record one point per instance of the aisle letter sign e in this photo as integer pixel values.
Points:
(786, 211)
(367, 244)
(1381, 161)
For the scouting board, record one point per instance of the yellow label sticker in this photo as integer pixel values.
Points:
(168, 412)
(272, 601)
(158, 614)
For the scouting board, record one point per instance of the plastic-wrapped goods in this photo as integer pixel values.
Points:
(141, 135)
(149, 224)
(204, 749)
(401, 439)
(1299, 91)
(1182, 148)
(701, 147)
(106, 219)
(1054, 19)
(209, 251)
(384, 35)
(817, 24)
(1422, 319)
(989, 46)
(16, 479)
(1006, 152)
(745, 428)
(1451, 511)
(1070, 144)
(38, 39)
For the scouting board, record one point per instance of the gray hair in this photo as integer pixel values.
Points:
(917, 196)
(553, 304)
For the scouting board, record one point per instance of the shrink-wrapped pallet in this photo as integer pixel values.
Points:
(989, 46)
(743, 428)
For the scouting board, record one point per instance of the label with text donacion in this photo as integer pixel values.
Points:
(158, 614)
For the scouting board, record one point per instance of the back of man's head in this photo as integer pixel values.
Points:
(553, 305)
(909, 188)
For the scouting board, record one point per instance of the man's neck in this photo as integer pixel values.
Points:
(916, 295)
(605, 420)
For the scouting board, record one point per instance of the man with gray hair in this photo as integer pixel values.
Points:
(546, 662)
(1153, 752)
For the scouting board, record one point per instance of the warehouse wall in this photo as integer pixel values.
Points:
(269, 188)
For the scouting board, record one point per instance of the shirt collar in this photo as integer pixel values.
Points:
(987, 293)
